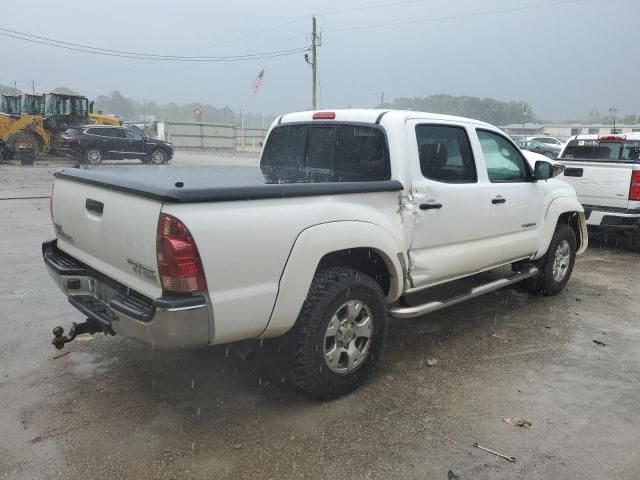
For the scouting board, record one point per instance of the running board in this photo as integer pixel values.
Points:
(419, 310)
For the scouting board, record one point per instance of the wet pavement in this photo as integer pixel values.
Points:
(114, 409)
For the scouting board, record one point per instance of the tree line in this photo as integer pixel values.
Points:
(488, 110)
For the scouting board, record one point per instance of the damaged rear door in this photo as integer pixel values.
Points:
(449, 235)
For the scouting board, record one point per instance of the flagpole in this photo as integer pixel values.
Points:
(262, 104)
(262, 110)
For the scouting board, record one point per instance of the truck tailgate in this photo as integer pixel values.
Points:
(599, 183)
(110, 231)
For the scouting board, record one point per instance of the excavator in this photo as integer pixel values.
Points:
(41, 130)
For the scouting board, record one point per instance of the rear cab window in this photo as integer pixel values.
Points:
(350, 152)
(613, 149)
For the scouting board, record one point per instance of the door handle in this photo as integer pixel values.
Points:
(430, 206)
(498, 199)
(94, 206)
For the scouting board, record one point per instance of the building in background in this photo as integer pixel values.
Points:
(566, 130)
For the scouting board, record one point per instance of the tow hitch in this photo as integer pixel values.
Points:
(88, 326)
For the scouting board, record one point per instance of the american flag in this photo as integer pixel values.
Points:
(258, 82)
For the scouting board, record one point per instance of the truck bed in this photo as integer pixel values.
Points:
(221, 184)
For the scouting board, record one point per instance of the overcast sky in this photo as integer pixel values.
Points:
(564, 60)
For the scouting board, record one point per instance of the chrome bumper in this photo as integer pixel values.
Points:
(166, 322)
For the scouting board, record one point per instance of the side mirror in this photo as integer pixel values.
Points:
(543, 170)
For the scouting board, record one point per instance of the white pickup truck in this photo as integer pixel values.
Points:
(352, 216)
(605, 171)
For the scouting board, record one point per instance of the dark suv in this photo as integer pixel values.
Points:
(94, 143)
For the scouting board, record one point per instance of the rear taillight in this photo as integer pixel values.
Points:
(634, 188)
(178, 259)
(71, 139)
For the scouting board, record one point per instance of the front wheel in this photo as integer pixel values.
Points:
(339, 333)
(24, 139)
(158, 157)
(557, 264)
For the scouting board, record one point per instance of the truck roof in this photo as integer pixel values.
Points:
(373, 116)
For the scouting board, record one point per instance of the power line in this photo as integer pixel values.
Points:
(453, 17)
(144, 56)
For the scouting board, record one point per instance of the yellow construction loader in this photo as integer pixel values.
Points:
(41, 131)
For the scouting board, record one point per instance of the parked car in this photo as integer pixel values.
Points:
(546, 149)
(352, 216)
(605, 171)
(94, 143)
(547, 140)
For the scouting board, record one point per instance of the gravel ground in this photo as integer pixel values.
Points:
(113, 409)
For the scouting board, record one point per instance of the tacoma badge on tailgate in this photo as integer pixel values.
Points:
(142, 270)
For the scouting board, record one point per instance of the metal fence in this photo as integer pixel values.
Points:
(211, 136)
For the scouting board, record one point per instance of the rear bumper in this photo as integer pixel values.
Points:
(167, 322)
(612, 218)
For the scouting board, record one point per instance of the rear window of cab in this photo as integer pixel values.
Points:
(349, 149)
(628, 151)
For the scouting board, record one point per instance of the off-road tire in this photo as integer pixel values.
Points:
(92, 156)
(25, 139)
(544, 282)
(329, 290)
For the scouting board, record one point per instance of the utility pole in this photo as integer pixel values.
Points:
(612, 114)
(314, 62)
(33, 86)
(382, 98)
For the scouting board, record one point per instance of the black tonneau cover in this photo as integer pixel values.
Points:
(221, 184)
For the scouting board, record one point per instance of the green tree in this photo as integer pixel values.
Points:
(486, 109)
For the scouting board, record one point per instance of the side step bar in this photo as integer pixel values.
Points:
(419, 310)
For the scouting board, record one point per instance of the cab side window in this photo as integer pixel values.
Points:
(445, 154)
(504, 162)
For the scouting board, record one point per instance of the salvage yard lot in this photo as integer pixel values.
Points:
(114, 409)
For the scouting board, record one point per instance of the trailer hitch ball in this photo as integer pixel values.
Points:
(58, 339)
(89, 326)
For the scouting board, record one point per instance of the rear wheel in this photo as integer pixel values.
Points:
(158, 157)
(338, 337)
(557, 264)
(93, 156)
(24, 139)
